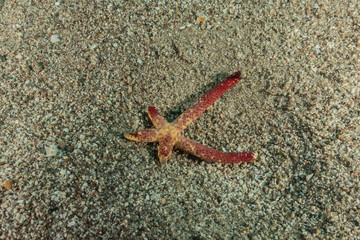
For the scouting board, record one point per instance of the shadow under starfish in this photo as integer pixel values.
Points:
(168, 134)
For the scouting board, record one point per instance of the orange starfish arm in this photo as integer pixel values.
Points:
(166, 146)
(146, 135)
(205, 101)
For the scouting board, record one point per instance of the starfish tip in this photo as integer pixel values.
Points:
(235, 75)
(131, 136)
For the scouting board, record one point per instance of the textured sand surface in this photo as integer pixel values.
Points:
(76, 75)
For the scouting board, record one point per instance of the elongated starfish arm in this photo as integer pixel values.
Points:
(205, 101)
(210, 154)
(146, 135)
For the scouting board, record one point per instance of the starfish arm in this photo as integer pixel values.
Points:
(205, 101)
(166, 146)
(156, 118)
(211, 154)
(146, 135)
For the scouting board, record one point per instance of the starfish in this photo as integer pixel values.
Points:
(168, 134)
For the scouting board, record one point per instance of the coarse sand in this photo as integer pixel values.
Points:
(76, 75)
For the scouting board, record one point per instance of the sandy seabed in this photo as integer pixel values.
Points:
(74, 76)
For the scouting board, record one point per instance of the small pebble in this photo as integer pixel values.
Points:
(54, 38)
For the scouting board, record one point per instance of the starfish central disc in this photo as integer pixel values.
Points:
(168, 134)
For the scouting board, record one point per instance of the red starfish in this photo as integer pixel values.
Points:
(168, 134)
